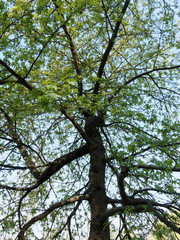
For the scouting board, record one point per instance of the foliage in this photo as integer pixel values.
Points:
(89, 131)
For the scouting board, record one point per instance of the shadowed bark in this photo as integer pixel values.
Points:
(98, 204)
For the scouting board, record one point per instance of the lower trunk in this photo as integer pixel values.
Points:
(98, 204)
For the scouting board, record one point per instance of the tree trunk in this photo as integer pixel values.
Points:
(98, 204)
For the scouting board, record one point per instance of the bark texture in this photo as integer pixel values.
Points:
(98, 203)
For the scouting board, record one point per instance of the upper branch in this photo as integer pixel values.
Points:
(158, 145)
(154, 189)
(7, 187)
(73, 52)
(110, 45)
(11, 167)
(41, 51)
(20, 79)
(75, 59)
(151, 71)
(139, 76)
(106, 14)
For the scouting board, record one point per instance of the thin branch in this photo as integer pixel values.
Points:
(19, 206)
(11, 167)
(158, 145)
(2, 186)
(4, 80)
(154, 167)
(76, 125)
(41, 51)
(154, 189)
(22, 148)
(15, 21)
(110, 45)
(106, 14)
(75, 58)
(68, 219)
(73, 52)
(159, 88)
(44, 46)
(48, 211)
(139, 76)
(150, 71)
(125, 226)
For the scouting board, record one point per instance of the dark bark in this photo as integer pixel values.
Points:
(98, 203)
(58, 163)
(20, 79)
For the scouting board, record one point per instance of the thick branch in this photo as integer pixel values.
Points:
(60, 162)
(138, 209)
(110, 212)
(120, 178)
(163, 219)
(110, 45)
(127, 200)
(48, 211)
(54, 167)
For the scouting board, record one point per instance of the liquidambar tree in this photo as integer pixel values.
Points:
(89, 127)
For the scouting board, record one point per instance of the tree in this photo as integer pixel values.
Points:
(89, 118)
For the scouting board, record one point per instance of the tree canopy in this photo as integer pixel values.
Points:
(89, 119)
